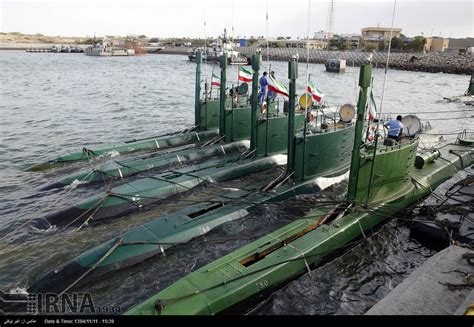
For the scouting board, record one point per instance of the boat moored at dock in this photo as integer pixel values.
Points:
(268, 144)
(119, 169)
(383, 180)
(153, 143)
(315, 164)
(107, 50)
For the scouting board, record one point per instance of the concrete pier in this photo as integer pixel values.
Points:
(443, 285)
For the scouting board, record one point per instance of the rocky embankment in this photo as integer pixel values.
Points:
(434, 63)
(431, 62)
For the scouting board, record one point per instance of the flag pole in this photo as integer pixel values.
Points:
(212, 76)
(238, 80)
(204, 56)
(307, 58)
(369, 104)
(305, 127)
(268, 46)
(381, 103)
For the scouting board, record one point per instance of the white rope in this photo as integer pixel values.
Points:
(388, 58)
(307, 42)
(232, 33)
(105, 256)
(361, 229)
(304, 258)
(205, 45)
(294, 248)
(91, 216)
(162, 251)
(268, 46)
(307, 55)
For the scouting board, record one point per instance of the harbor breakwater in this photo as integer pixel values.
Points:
(431, 62)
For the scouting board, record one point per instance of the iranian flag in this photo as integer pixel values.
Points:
(215, 81)
(245, 74)
(372, 108)
(277, 87)
(315, 92)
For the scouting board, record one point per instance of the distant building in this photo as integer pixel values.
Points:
(463, 45)
(284, 43)
(376, 35)
(352, 41)
(436, 44)
(323, 36)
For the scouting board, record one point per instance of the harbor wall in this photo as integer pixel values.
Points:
(430, 62)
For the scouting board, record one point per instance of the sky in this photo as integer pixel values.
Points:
(185, 18)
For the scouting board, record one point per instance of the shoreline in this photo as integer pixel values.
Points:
(430, 62)
(26, 46)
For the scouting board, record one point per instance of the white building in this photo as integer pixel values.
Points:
(323, 36)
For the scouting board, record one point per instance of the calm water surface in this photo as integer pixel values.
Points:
(52, 104)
